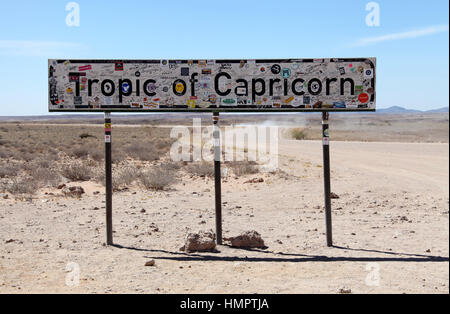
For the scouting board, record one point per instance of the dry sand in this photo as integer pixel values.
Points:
(392, 216)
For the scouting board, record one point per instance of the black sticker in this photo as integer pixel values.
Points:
(275, 69)
(77, 100)
(184, 71)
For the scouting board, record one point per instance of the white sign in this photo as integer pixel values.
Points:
(212, 85)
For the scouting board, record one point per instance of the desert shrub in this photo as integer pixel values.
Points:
(8, 170)
(157, 179)
(86, 135)
(42, 163)
(87, 150)
(201, 169)
(46, 176)
(241, 168)
(97, 155)
(128, 174)
(98, 175)
(172, 165)
(117, 154)
(164, 144)
(27, 157)
(298, 134)
(80, 151)
(22, 186)
(50, 155)
(120, 177)
(77, 171)
(142, 151)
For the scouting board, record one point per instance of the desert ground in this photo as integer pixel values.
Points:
(390, 222)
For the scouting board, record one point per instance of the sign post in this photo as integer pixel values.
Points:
(217, 177)
(227, 85)
(108, 179)
(326, 176)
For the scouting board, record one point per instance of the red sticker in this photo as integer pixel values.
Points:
(85, 68)
(118, 66)
(363, 98)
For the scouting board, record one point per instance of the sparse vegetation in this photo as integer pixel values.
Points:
(157, 179)
(77, 171)
(46, 176)
(144, 151)
(122, 177)
(298, 134)
(201, 169)
(25, 185)
(241, 168)
(8, 170)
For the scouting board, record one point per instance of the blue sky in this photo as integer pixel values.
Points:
(411, 44)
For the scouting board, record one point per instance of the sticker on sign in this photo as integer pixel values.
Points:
(214, 85)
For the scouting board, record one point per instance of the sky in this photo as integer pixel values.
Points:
(410, 40)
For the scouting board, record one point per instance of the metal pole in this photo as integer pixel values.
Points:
(108, 177)
(217, 177)
(326, 174)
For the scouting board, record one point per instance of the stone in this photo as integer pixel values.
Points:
(248, 239)
(203, 241)
(74, 191)
(255, 180)
(345, 290)
(150, 263)
(334, 195)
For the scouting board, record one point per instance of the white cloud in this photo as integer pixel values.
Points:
(426, 31)
(36, 48)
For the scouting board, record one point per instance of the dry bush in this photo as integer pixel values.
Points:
(97, 155)
(46, 176)
(22, 186)
(127, 175)
(157, 179)
(8, 170)
(120, 178)
(42, 162)
(27, 157)
(117, 154)
(164, 144)
(80, 151)
(298, 134)
(98, 175)
(242, 168)
(142, 151)
(173, 165)
(77, 171)
(201, 169)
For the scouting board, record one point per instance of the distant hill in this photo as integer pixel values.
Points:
(399, 110)
(444, 109)
(136, 117)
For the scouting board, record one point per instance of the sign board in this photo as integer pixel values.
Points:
(212, 85)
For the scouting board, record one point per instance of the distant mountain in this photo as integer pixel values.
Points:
(443, 110)
(400, 110)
